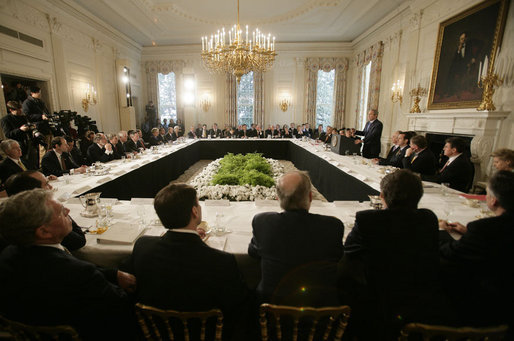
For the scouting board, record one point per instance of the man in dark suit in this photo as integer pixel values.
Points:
(15, 126)
(394, 147)
(244, 132)
(192, 133)
(418, 158)
(458, 170)
(155, 138)
(13, 163)
(37, 112)
(396, 155)
(298, 250)
(75, 154)
(170, 269)
(100, 150)
(259, 133)
(117, 152)
(391, 262)
(130, 145)
(215, 132)
(57, 161)
(122, 138)
(42, 284)
(28, 180)
(319, 134)
(477, 268)
(372, 133)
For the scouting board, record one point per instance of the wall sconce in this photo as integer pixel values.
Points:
(189, 90)
(128, 89)
(205, 103)
(397, 92)
(90, 98)
(285, 103)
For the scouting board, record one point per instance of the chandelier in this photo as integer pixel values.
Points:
(238, 55)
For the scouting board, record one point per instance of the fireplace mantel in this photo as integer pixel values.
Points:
(484, 126)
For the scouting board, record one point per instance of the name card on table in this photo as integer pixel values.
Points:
(217, 203)
(141, 201)
(121, 172)
(81, 189)
(102, 180)
(361, 177)
(137, 165)
(266, 203)
(335, 163)
(347, 170)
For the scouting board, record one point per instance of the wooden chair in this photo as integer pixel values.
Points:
(159, 324)
(21, 331)
(428, 332)
(326, 323)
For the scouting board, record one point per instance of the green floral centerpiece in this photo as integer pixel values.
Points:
(239, 177)
(250, 169)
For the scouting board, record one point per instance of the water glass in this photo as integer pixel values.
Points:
(445, 188)
(220, 224)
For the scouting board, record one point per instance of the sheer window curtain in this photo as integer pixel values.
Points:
(312, 66)
(231, 100)
(374, 54)
(153, 68)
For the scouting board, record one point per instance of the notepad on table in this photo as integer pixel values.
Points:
(120, 234)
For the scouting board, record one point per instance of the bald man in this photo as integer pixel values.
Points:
(298, 250)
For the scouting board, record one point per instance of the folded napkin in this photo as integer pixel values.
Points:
(217, 203)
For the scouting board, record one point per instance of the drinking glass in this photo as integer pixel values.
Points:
(445, 188)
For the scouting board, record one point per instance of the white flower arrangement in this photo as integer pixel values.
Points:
(202, 184)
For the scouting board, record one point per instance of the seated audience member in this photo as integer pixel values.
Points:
(232, 133)
(192, 133)
(57, 161)
(292, 130)
(278, 130)
(86, 141)
(75, 154)
(42, 284)
(141, 144)
(319, 134)
(13, 163)
(397, 155)
(394, 147)
(130, 145)
(348, 134)
(503, 159)
(204, 132)
(32, 179)
(418, 158)
(259, 133)
(113, 140)
(458, 170)
(297, 249)
(244, 132)
(100, 150)
(169, 135)
(170, 269)
(328, 135)
(477, 268)
(122, 138)
(215, 132)
(285, 133)
(176, 133)
(155, 139)
(162, 133)
(391, 262)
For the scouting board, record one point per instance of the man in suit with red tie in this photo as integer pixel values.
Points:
(57, 161)
(372, 133)
(457, 171)
(13, 163)
(418, 158)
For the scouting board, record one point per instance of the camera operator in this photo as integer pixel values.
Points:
(37, 113)
(16, 127)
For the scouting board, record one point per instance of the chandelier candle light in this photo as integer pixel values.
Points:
(90, 97)
(238, 54)
(397, 90)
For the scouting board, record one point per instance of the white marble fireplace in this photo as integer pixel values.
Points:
(483, 126)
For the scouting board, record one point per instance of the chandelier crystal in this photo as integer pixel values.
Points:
(238, 55)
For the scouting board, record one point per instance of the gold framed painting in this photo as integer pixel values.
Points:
(466, 45)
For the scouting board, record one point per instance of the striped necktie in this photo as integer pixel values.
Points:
(414, 158)
(22, 166)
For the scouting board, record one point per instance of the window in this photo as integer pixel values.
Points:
(325, 98)
(167, 96)
(363, 100)
(245, 91)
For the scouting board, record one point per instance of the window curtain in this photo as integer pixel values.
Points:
(231, 100)
(258, 98)
(153, 68)
(312, 66)
(374, 54)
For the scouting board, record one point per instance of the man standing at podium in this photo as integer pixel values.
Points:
(372, 133)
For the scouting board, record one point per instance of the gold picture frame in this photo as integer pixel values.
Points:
(463, 44)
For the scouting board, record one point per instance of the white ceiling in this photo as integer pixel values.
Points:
(177, 22)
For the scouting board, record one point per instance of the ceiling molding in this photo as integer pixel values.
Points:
(78, 12)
